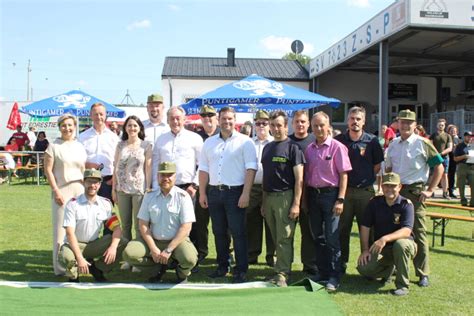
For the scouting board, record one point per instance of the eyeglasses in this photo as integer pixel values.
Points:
(207, 114)
(261, 124)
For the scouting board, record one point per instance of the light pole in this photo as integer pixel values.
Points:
(28, 81)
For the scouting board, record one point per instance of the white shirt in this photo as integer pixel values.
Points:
(100, 148)
(409, 158)
(259, 147)
(153, 131)
(32, 138)
(87, 217)
(166, 213)
(226, 161)
(183, 149)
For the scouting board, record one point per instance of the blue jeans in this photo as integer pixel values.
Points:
(325, 231)
(227, 216)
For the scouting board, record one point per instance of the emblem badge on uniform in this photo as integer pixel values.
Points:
(396, 218)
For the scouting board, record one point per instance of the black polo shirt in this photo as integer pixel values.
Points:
(204, 135)
(388, 219)
(303, 142)
(461, 150)
(278, 160)
(364, 153)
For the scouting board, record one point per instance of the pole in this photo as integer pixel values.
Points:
(28, 81)
(384, 113)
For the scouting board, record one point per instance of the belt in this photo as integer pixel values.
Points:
(416, 184)
(324, 190)
(370, 188)
(223, 187)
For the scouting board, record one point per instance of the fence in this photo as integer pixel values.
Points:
(463, 119)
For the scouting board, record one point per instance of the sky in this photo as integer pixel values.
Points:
(106, 47)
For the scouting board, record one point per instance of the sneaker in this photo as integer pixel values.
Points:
(446, 196)
(219, 272)
(125, 266)
(332, 285)
(279, 280)
(97, 274)
(424, 282)
(239, 277)
(452, 195)
(400, 292)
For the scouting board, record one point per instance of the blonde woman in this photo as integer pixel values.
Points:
(132, 173)
(64, 164)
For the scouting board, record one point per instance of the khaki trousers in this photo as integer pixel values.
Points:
(277, 206)
(400, 254)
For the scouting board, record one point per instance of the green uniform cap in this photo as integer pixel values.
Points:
(391, 178)
(92, 173)
(167, 167)
(155, 98)
(207, 109)
(262, 115)
(407, 115)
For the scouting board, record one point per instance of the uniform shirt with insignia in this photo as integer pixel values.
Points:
(412, 158)
(387, 219)
(278, 160)
(364, 154)
(166, 213)
(87, 217)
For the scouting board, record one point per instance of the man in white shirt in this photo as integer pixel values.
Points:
(228, 165)
(255, 221)
(181, 146)
(154, 126)
(100, 143)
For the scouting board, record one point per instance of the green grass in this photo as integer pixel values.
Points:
(25, 255)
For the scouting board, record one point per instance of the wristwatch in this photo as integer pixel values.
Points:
(340, 200)
(168, 251)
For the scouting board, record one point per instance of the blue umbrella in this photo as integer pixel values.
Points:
(74, 102)
(255, 92)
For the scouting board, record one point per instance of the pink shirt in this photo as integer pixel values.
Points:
(325, 162)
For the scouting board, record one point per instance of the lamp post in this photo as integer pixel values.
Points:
(28, 81)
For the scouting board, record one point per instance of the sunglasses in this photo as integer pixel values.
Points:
(261, 124)
(207, 115)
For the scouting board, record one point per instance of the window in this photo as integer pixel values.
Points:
(339, 114)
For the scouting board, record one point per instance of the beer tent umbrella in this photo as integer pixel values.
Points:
(75, 102)
(256, 92)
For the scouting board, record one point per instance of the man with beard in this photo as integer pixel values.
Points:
(366, 156)
(303, 138)
(282, 162)
(154, 126)
(228, 165)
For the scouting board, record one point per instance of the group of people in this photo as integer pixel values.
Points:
(168, 183)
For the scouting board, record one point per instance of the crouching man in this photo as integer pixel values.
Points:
(165, 220)
(84, 251)
(392, 217)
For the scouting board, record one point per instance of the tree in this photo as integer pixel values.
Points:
(303, 59)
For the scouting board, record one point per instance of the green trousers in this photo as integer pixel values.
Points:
(91, 250)
(129, 205)
(137, 254)
(421, 261)
(465, 175)
(381, 266)
(355, 203)
(277, 206)
(255, 223)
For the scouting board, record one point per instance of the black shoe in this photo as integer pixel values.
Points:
(219, 272)
(253, 261)
(446, 196)
(195, 269)
(97, 274)
(318, 278)
(157, 278)
(464, 202)
(452, 195)
(239, 277)
(76, 280)
(180, 280)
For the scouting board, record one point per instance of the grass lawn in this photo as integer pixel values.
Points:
(25, 255)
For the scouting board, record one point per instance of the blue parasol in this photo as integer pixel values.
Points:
(256, 92)
(74, 102)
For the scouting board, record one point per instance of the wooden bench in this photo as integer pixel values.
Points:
(442, 219)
